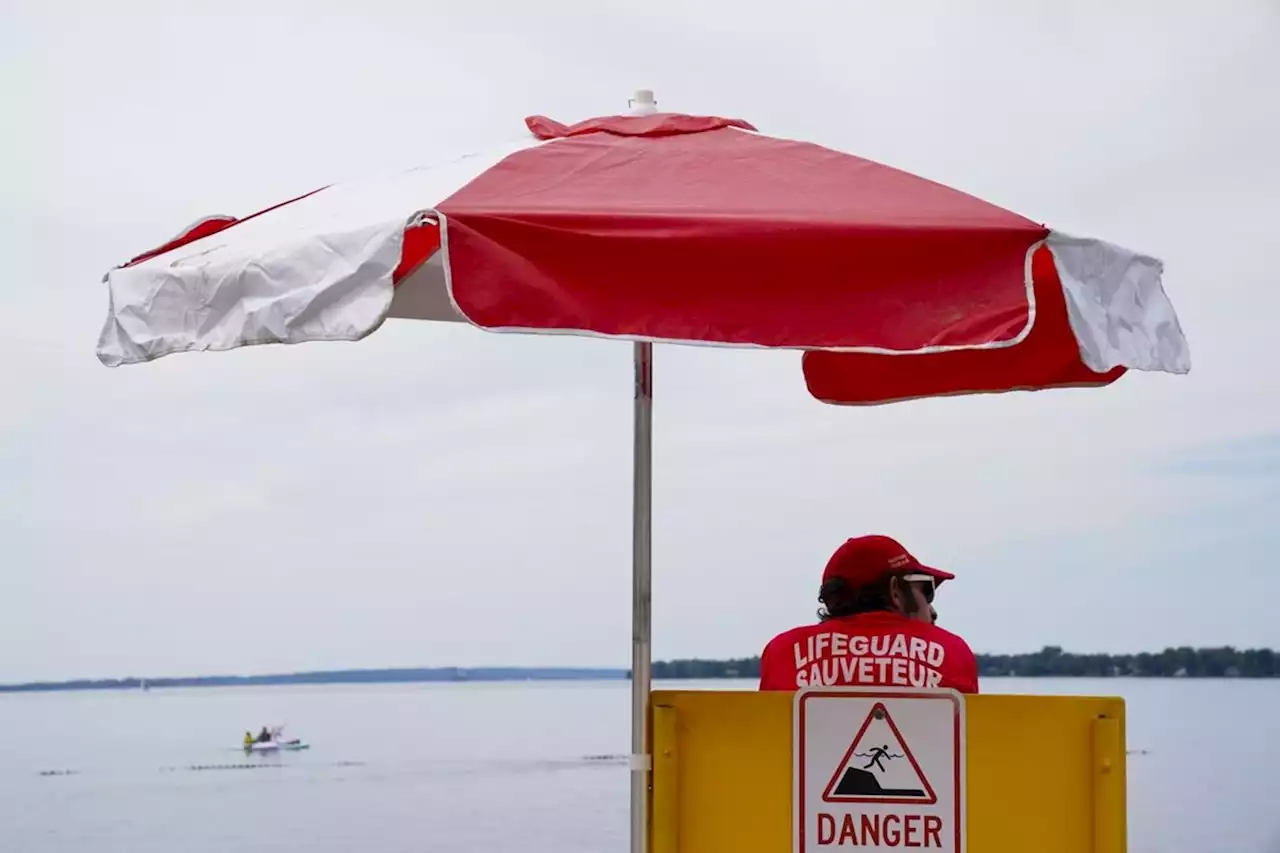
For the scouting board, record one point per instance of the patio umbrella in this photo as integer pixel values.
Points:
(662, 227)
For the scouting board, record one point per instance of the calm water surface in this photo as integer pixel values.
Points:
(515, 766)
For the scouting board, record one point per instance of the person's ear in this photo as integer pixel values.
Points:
(896, 595)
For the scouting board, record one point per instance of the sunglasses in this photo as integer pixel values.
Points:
(927, 585)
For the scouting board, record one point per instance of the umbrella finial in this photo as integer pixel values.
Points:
(642, 103)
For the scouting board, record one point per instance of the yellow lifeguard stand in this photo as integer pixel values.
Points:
(1038, 774)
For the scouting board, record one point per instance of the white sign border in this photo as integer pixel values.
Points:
(871, 692)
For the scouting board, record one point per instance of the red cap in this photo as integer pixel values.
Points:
(865, 559)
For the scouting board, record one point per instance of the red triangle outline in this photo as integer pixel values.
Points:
(828, 797)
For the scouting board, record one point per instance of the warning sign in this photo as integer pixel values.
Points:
(879, 769)
(891, 773)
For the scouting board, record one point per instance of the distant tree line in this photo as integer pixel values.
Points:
(1184, 661)
(1220, 662)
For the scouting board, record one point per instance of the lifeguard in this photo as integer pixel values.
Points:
(876, 627)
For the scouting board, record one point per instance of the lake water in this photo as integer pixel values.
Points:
(509, 766)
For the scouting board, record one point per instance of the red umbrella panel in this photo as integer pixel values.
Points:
(674, 228)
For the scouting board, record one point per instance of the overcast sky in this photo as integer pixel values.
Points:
(437, 495)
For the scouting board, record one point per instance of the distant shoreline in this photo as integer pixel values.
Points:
(1049, 662)
(343, 676)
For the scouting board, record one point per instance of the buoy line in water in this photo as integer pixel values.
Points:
(199, 767)
(262, 764)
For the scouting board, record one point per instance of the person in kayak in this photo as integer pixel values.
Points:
(248, 740)
(264, 736)
(876, 627)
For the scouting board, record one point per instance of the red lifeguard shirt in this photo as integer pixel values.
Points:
(881, 649)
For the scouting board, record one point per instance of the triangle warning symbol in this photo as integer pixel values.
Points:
(878, 767)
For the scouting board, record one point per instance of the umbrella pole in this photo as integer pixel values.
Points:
(641, 596)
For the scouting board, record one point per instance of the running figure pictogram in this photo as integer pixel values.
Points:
(878, 754)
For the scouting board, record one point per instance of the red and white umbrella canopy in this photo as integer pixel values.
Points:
(676, 228)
